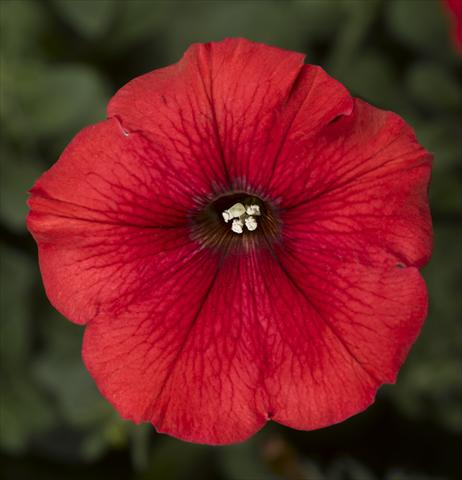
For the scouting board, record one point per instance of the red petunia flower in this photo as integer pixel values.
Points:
(454, 9)
(243, 240)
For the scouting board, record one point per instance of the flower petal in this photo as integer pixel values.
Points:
(108, 218)
(233, 103)
(188, 359)
(261, 336)
(338, 331)
(361, 193)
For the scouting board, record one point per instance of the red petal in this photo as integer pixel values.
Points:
(190, 359)
(361, 192)
(108, 217)
(233, 103)
(262, 337)
(339, 330)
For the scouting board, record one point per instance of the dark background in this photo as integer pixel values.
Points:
(61, 62)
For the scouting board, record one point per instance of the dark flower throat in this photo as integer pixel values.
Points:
(211, 228)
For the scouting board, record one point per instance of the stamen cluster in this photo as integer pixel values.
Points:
(242, 216)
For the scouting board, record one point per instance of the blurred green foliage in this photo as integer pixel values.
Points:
(61, 60)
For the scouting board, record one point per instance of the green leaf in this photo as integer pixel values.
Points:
(79, 400)
(164, 460)
(43, 101)
(243, 460)
(16, 280)
(358, 20)
(445, 193)
(24, 411)
(140, 446)
(94, 445)
(373, 77)
(320, 19)
(434, 87)
(18, 174)
(421, 25)
(139, 20)
(103, 436)
(21, 25)
(443, 138)
(61, 371)
(274, 23)
(61, 337)
(90, 19)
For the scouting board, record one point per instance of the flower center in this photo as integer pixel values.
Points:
(242, 216)
(236, 220)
